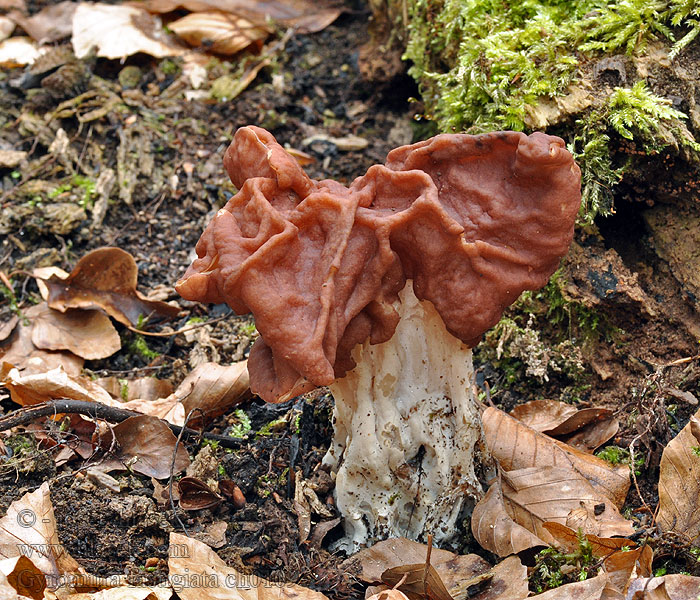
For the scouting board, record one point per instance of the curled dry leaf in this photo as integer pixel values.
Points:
(543, 415)
(220, 32)
(86, 333)
(232, 493)
(141, 388)
(18, 52)
(597, 588)
(679, 484)
(192, 560)
(517, 446)
(20, 352)
(305, 16)
(214, 388)
(8, 327)
(622, 559)
(118, 32)
(196, 495)
(50, 24)
(539, 494)
(668, 587)
(496, 530)
(106, 278)
(147, 445)
(19, 575)
(27, 389)
(29, 528)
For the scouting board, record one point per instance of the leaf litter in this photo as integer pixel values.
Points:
(217, 388)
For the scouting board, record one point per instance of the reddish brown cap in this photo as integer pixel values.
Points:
(472, 220)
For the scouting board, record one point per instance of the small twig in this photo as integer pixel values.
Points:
(178, 331)
(172, 471)
(26, 415)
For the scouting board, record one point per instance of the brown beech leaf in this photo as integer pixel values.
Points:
(141, 388)
(417, 581)
(538, 494)
(369, 564)
(191, 560)
(220, 32)
(590, 437)
(119, 31)
(306, 16)
(543, 415)
(622, 559)
(26, 389)
(668, 587)
(106, 278)
(196, 495)
(29, 528)
(596, 588)
(8, 327)
(580, 419)
(496, 530)
(19, 575)
(86, 333)
(51, 24)
(20, 352)
(679, 483)
(517, 446)
(146, 445)
(388, 595)
(214, 388)
(567, 539)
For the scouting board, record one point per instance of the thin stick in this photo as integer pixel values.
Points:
(26, 415)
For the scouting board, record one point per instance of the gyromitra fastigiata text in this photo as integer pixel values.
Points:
(380, 290)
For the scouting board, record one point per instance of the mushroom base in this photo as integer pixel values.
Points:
(408, 437)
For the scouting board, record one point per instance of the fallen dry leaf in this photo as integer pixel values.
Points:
(369, 564)
(119, 31)
(51, 24)
(418, 581)
(543, 415)
(218, 32)
(679, 483)
(86, 333)
(590, 589)
(19, 575)
(517, 446)
(8, 327)
(306, 503)
(214, 388)
(146, 445)
(584, 429)
(27, 389)
(536, 495)
(388, 595)
(668, 587)
(106, 278)
(496, 530)
(126, 593)
(29, 529)
(196, 495)
(305, 16)
(141, 388)
(622, 559)
(18, 52)
(20, 352)
(7, 26)
(192, 560)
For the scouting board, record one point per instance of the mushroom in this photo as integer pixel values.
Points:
(380, 290)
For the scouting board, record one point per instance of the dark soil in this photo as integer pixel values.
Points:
(618, 301)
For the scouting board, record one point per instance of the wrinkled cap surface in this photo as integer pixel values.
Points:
(472, 220)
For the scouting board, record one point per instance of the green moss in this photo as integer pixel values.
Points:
(487, 64)
(547, 572)
(242, 426)
(137, 345)
(621, 456)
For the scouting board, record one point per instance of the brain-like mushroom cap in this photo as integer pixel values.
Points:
(472, 220)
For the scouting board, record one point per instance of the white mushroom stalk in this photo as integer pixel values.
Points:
(407, 433)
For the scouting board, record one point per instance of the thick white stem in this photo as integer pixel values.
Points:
(407, 433)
